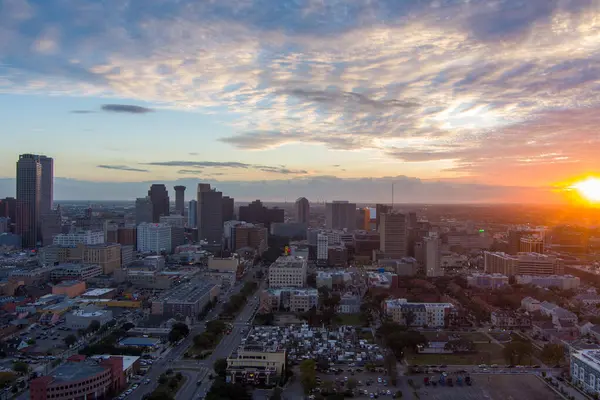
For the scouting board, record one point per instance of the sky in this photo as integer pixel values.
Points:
(450, 100)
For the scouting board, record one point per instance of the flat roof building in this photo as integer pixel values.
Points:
(187, 299)
(288, 271)
(257, 364)
(81, 272)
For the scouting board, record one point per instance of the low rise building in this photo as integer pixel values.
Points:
(288, 299)
(257, 364)
(587, 299)
(418, 314)
(69, 288)
(100, 293)
(331, 279)
(288, 271)
(144, 279)
(562, 282)
(489, 281)
(229, 264)
(187, 299)
(80, 272)
(82, 318)
(349, 304)
(510, 320)
(79, 237)
(530, 304)
(382, 280)
(585, 370)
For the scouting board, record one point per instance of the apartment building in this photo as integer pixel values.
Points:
(288, 271)
(153, 238)
(489, 281)
(422, 314)
(563, 282)
(531, 244)
(510, 320)
(80, 237)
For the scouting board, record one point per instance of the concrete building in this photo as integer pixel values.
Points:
(230, 264)
(293, 230)
(69, 288)
(193, 214)
(431, 315)
(393, 235)
(500, 263)
(153, 238)
(175, 220)
(80, 272)
(382, 280)
(82, 379)
(585, 370)
(406, 266)
(530, 304)
(179, 199)
(322, 248)
(340, 215)
(337, 256)
(144, 279)
(288, 300)
(228, 206)
(143, 210)
(288, 271)
(8, 208)
(254, 236)
(302, 208)
(50, 226)
(539, 264)
(510, 320)
(29, 194)
(75, 238)
(380, 209)
(82, 318)
(210, 214)
(531, 244)
(126, 255)
(349, 304)
(433, 254)
(364, 244)
(127, 235)
(331, 279)
(489, 281)
(100, 293)
(187, 299)
(257, 213)
(4, 224)
(159, 196)
(257, 364)
(562, 282)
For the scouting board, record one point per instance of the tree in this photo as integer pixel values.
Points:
(93, 326)
(179, 376)
(276, 395)
(169, 371)
(20, 367)
(162, 379)
(352, 383)
(517, 351)
(409, 317)
(179, 330)
(70, 340)
(220, 367)
(552, 354)
(173, 383)
(308, 377)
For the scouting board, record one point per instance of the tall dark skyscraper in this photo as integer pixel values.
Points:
(8, 208)
(29, 195)
(302, 210)
(256, 213)
(381, 209)
(159, 196)
(179, 199)
(210, 214)
(340, 215)
(47, 196)
(228, 208)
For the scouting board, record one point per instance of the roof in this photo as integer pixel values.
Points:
(139, 341)
(97, 292)
(68, 283)
(127, 360)
(76, 371)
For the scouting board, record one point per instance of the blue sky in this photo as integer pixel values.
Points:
(498, 93)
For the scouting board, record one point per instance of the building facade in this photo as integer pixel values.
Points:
(153, 237)
(288, 271)
(80, 272)
(210, 214)
(75, 238)
(143, 210)
(193, 214)
(393, 235)
(302, 208)
(29, 195)
(422, 314)
(585, 370)
(340, 215)
(257, 364)
(490, 281)
(433, 254)
(159, 196)
(179, 199)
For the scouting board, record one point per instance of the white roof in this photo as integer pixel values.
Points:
(98, 292)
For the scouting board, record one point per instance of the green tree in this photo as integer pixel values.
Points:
(308, 376)
(276, 394)
(220, 367)
(173, 383)
(179, 376)
(409, 317)
(20, 367)
(160, 394)
(162, 379)
(352, 384)
(70, 340)
(552, 354)
(93, 326)
(516, 352)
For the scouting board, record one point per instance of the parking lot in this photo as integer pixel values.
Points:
(492, 387)
(368, 383)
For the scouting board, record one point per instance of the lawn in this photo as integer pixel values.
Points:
(486, 354)
(472, 336)
(349, 319)
(168, 388)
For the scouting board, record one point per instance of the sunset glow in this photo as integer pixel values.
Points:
(589, 189)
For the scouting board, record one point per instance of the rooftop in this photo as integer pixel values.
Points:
(395, 303)
(289, 262)
(139, 341)
(68, 283)
(76, 371)
(97, 292)
(188, 293)
(590, 357)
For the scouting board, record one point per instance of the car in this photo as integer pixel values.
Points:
(379, 380)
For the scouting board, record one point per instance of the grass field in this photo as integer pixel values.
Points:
(472, 336)
(487, 353)
(349, 319)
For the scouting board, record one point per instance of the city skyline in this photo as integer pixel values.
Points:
(499, 97)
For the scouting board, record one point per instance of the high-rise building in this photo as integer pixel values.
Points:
(228, 209)
(250, 235)
(193, 214)
(340, 215)
(210, 214)
(380, 209)
(322, 248)
(531, 244)
(433, 255)
(50, 225)
(143, 210)
(412, 220)
(393, 235)
(514, 240)
(302, 210)
(47, 196)
(159, 196)
(179, 199)
(29, 195)
(8, 208)
(256, 213)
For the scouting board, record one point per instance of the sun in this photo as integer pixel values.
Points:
(589, 188)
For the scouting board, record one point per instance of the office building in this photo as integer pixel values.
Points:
(432, 315)
(107, 255)
(179, 199)
(393, 235)
(322, 248)
(153, 238)
(337, 256)
(302, 210)
(175, 220)
(531, 244)
(210, 214)
(69, 288)
(488, 281)
(193, 214)
(143, 210)
(187, 299)
(256, 213)
(433, 254)
(144, 278)
(380, 209)
(75, 238)
(254, 236)
(8, 208)
(514, 240)
(29, 194)
(407, 266)
(47, 185)
(50, 226)
(562, 282)
(82, 318)
(364, 244)
(127, 235)
(159, 196)
(228, 209)
(585, 370)
(257, 363)
(500, 263)
(83, 379)
(77, 272)
(292, 230)
(4, 224)
(288, 271)
(340, 215)
(539, 264)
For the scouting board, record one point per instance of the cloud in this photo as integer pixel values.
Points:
(193, 154)
(122, 168)
(125, 108)
(348, 99)
(227, 164)
(82, 112)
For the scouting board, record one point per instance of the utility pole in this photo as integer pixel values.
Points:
(392, 195)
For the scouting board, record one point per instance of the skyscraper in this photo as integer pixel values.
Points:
(393, 235)
(193, 214)
(256, 213)
(179, 199)
(302, 210)
(47, 196)
(433, 249)
(8, 208)
(380, 209)
(210, 214)
(340, 215)
(159, 196)
(143, 210)
(29, 193)
(228, 208)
